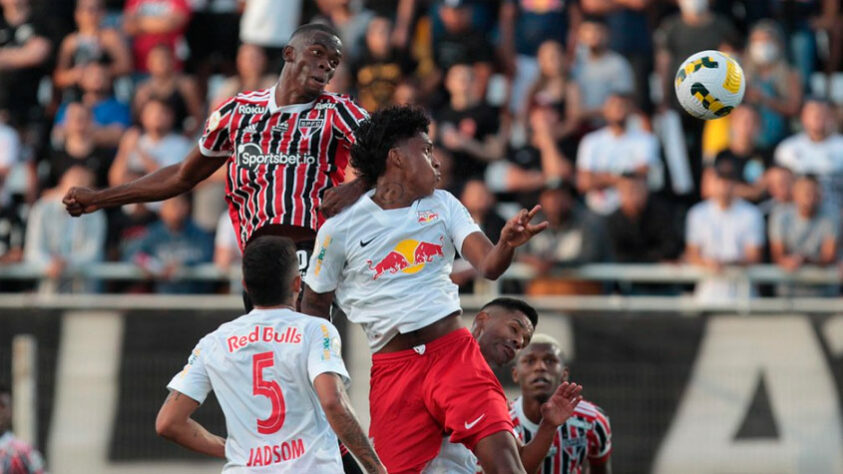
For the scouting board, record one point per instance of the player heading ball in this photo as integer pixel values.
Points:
(387, 261)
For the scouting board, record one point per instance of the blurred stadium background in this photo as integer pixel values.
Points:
(714, 343)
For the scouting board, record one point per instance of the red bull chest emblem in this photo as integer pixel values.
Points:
(427, 216)
(408, 256)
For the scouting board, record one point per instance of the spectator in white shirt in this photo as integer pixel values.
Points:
(55, 240)
(817, 150)
(723, 230)
(606, 154)
(227, 254)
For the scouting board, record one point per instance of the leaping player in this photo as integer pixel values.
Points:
(387, 260)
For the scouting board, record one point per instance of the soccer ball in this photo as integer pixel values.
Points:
(709, 84)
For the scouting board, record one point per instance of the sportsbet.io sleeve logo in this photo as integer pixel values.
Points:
(250, 155)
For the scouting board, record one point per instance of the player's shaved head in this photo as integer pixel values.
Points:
(540, 367)
(270, 268)
(310, 32)
(502, 328)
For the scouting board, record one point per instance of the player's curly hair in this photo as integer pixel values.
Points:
(384, 130)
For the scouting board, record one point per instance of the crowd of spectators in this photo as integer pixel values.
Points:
(566, 103)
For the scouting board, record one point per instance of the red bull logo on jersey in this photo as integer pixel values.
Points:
(290, 335)
(427, 216)
(408, 256)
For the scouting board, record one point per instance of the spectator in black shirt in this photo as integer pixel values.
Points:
(78, 148)
(460, 43)
(381, 67)
(751, 161)
(24, 49)
(643, 229)
(467, 127)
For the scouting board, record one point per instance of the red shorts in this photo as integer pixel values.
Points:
(419, 395)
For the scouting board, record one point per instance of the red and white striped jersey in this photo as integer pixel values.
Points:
(585, 435)
(282, 159)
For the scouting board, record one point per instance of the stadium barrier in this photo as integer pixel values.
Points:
(687, 388)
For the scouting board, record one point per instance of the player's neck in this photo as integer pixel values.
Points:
(392, 194)
(286, 93)
(279, 306)
(532, 409)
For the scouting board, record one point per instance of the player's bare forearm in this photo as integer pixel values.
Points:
(174, 423)
(533, 453)
(317, 304)
(341, 417)
(492, 260)
(162, 184)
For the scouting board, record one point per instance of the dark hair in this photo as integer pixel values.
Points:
(313, 28)
(381, 132)
(512, 304)
(269, 265)
(599, 20)
(808, 177)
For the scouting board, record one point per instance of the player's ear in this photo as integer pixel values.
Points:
(479, 321)
(295, 286)
(288, 53)
(565, 374)
(515, 371)
(394, 156)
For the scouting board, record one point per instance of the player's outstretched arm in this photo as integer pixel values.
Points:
(492, 260)
(334, 400)
(555, 411)
(174, 423)
(162, 184)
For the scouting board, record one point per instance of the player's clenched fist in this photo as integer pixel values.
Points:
(518, 230)
(79, 200)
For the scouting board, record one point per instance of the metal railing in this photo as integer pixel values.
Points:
(634, 273)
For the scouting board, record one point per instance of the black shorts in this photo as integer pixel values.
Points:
(304, 250)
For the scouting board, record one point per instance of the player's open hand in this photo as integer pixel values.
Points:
(518, 230)
(80, 200)
(561, 405)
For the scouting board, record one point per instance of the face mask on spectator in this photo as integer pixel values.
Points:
(693, 7)
(763, 52)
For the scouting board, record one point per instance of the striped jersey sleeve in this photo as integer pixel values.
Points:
(348, 118)
(216, 137)
(599, 436)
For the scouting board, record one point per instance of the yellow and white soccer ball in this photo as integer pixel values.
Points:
(709, 85)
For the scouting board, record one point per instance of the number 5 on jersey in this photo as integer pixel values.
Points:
(269, 389)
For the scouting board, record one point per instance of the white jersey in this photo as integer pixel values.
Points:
(390, 269)
(453, 458)
(261, 367)
(824, 159)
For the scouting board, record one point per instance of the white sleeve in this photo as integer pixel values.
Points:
(460, 224)
(785, 156)
(193, 380)
(692, 235)
(324, 352)
(585, 152)
(9, 147)
(756, 227)
(328, 259)
(225, 237)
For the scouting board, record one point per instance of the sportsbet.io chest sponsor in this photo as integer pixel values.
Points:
(250, 155)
